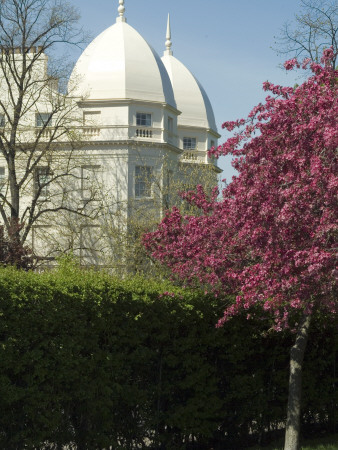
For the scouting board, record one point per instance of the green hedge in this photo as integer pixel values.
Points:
(90, 361)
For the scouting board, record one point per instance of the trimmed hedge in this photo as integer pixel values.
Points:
(92, 362)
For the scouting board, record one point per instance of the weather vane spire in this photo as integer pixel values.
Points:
(168, 42)
(121, 9)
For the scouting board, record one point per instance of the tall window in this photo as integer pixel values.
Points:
(42, 119)
(2, 178)
(42, 178)
(143, 119)
(2, 120)
(89, 181)
(143, 181)
(189, 143)
(170, 124)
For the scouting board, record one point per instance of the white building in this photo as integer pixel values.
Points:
(144, 123)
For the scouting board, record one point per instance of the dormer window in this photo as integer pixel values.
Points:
(189, 143)
(43, 119)
(143, 119)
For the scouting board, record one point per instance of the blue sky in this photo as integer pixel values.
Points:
(225, 43)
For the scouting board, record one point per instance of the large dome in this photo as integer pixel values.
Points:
(190, 96)
(120, 64)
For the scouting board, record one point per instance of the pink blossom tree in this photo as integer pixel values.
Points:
(271, 239)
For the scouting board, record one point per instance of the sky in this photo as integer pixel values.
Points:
(226, 44)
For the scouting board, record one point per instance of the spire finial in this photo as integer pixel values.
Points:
(121, 9)
(168, 42)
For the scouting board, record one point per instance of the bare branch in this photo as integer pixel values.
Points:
(313, 30)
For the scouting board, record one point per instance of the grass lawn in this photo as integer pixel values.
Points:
(324, 443)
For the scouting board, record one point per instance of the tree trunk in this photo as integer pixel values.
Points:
(14, 189)
(292, 428)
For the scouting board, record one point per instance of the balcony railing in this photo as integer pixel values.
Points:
(45, 133)
(91, 131)
(113, 132)
(194, 156)
(144, 133)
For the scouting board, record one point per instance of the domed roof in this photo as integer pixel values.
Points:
(190, 96)
(120, 64)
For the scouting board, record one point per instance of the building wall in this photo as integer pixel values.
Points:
(112, 176)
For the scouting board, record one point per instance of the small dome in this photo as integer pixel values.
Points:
(120, 64)
(190, 96)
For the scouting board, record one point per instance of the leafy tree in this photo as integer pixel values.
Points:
(272, 238)
(315, 29)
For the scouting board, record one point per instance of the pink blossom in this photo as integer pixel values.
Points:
(271, 238)
(291, 64)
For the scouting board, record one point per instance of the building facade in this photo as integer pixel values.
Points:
(137, 130)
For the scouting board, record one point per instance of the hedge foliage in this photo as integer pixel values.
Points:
(95, 363)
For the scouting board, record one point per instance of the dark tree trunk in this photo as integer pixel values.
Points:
(14, 189)
(295, 385)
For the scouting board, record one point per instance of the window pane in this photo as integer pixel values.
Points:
(143, 119)
(170, 124)
(2, 178)
(43, 118)
(189, 143)
(143, 181)
(42, 181)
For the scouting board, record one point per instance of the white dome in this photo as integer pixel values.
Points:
(190, 96)
(120, 64)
